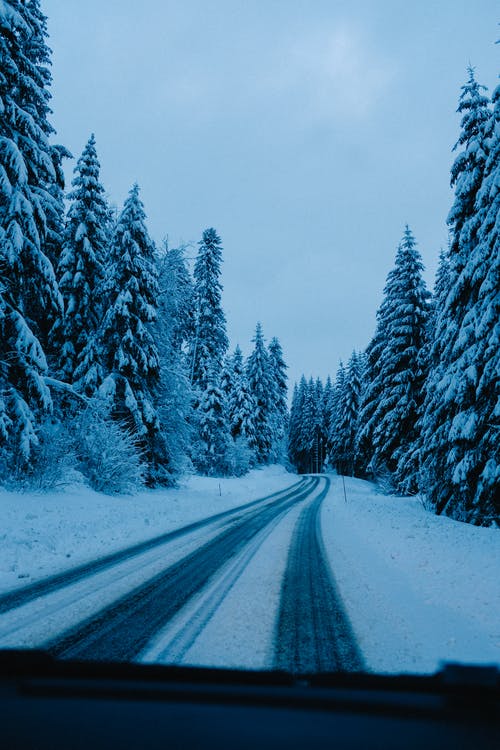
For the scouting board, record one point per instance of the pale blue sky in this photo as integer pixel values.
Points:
(306, 132)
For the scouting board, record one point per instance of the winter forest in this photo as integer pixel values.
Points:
(115, 359)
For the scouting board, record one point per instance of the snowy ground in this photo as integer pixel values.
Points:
(418, 588)
(41, 534)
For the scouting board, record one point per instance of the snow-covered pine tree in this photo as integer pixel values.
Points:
(334, 412)
(278, 369)
(294, 426)
(211, 455)
(28, 289)
(209, 343)
(301, 426)
(176, 288)
(462, 416)
(393, 400)
(131, 357)
(318, 437)
(174, 390)
(81, 274)
(326, 410)
(347, 418)
(261, 384)
(308, 426)
(35, 46)
(240, 404)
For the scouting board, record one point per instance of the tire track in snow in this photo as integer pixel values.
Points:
(21, 596)
(122, 630)
(170, 646)
(313, 633)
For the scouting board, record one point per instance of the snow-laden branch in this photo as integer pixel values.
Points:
(66, 387)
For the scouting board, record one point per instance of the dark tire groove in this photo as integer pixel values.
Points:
(20, 596)
(313, 632)
(122, 630)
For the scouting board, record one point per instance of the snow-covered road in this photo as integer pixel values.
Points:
(161, 600)
(225, 579)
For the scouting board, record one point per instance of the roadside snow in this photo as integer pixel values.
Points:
(41, 534)
(419, 589)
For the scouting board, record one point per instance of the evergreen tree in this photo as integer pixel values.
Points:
(131, 356)
(240, 404)
(344, 439)
(393, 401)
(334, 412)
(468, 169)
(210, 342)
(261, 385)
(278, 369)
(327, 413)
(81, 273)
(176, 288)
(28, 291)
(294, 427)
(174, 390)
(302, 426)
(462, 420)
(211, 456)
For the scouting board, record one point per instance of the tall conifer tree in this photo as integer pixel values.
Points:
(81, 273)
(260, 381)
(210, 342)
(462, 420)
(393, 400)
(131, 356)
(28, 290)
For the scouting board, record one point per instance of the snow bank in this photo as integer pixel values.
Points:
(419, 589)
(42, 534)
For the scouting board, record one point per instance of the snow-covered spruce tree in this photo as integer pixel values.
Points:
(278, 369)
(393, 399)
(298, 443)
(294, 427)
(174, 389)
(240, 404)
(211, 454)
(344, 438)
(176, 289)
(327, 414)
(461, 425)
(318, 438)
(28, 288)
(209, 343)
(131, 357)
(337, 391)
(81, 274)
(262, 389)
(308, 425)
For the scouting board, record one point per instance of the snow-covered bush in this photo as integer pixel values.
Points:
(106, 453)
(239, 458)
(50, 465)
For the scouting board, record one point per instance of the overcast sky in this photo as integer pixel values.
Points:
(306, 132)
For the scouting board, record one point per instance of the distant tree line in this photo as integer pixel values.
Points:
(420, 408)
(113, 356)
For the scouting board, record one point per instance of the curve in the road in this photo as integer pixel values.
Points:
(122, 630)
(313, 632)
(20, 596)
